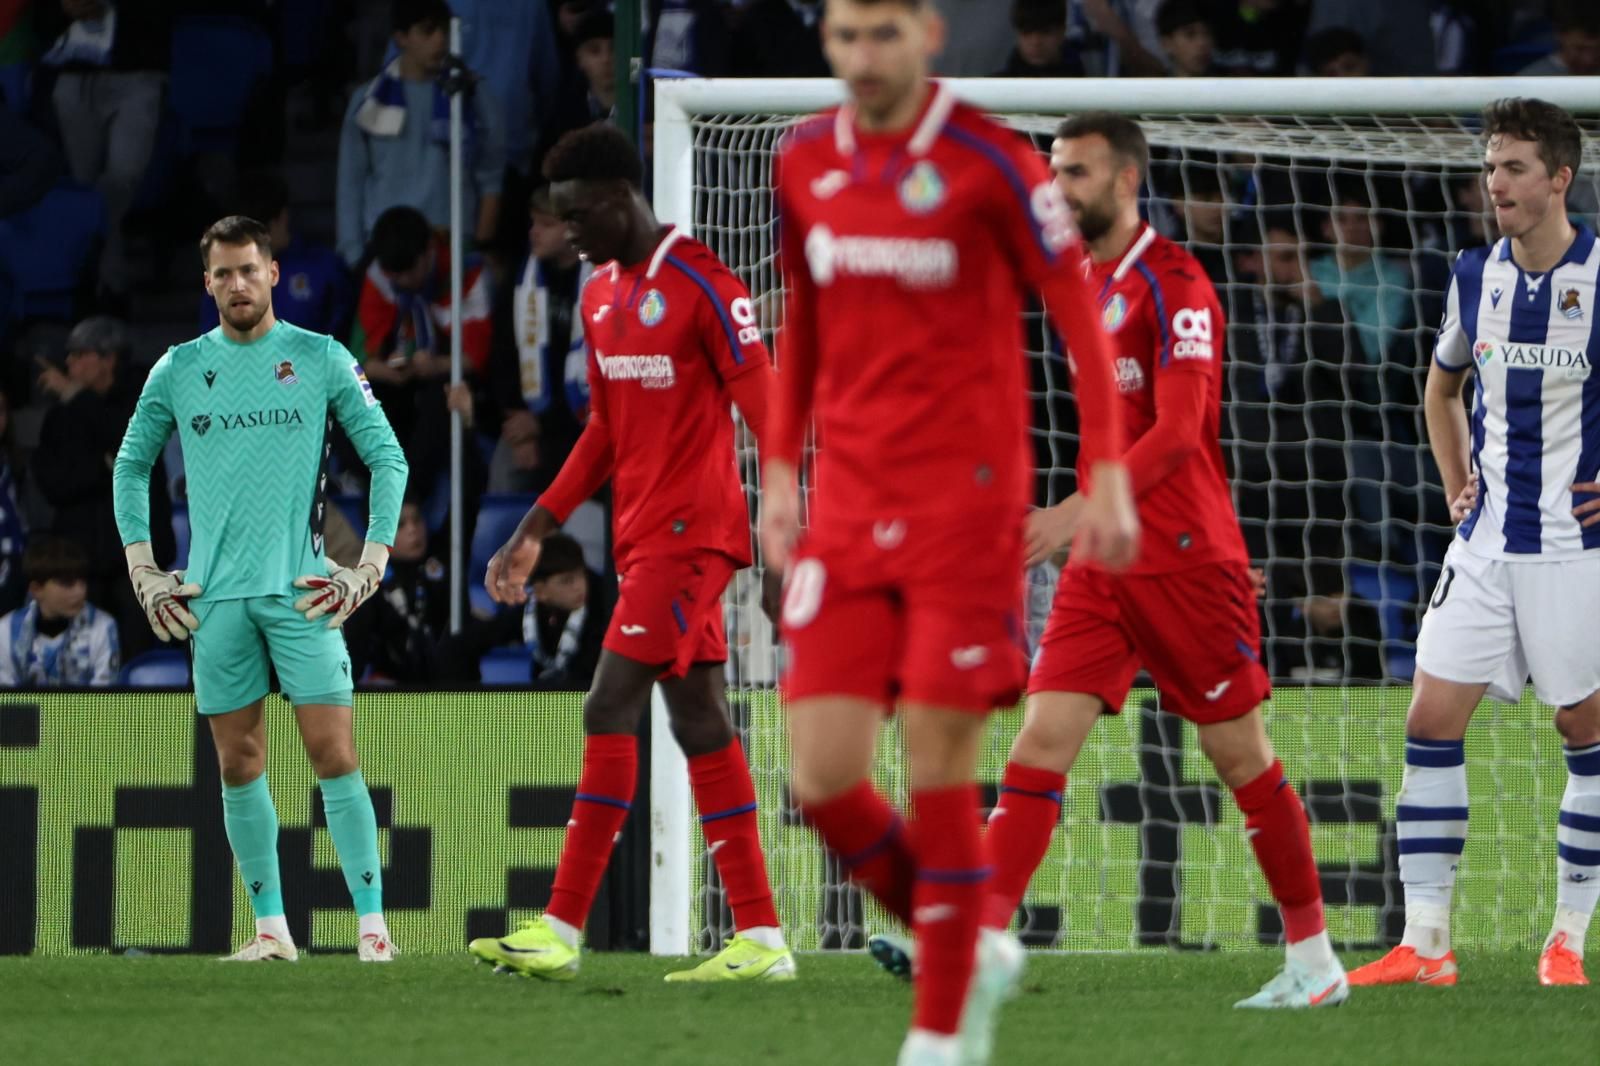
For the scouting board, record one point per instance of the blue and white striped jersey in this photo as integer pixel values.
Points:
(1533, 339)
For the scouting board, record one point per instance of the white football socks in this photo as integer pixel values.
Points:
(277, 927)
(1578, 848)
(565, 930)
(768, 936)
(1431, 820)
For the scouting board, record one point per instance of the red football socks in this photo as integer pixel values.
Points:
(726, 799)
(1275, 822)
(947, 899)
(605, 792)
(870, 839)
(1018, 835)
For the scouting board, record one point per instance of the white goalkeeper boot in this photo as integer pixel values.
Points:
(1299, 985)
(924, 1048)
(264, 948)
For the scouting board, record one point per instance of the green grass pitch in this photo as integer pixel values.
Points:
(1145, 1010)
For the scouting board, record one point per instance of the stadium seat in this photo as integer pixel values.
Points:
(1393, 591)
(180, 534)
(507, 666)
(498, 516)
(48, 248)
(218, 62)
(156, 669)
(587, 525)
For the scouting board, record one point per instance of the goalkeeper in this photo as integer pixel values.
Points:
(253, 402)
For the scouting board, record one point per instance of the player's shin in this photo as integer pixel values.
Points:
(950, 882)
(726, 799)
(353, 826)
(1275, 823)
(1578, 849)
(870, 839)
(605, 794)
(1018, 835)
(1431, 821)
(251, 822)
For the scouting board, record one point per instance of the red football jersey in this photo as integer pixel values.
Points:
(907, 256)
(1164, 319)
(665, 339)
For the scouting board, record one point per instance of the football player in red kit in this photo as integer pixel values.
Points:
(672, 342)
(912, 226)
(1186, 610)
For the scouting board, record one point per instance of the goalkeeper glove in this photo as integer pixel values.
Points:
(344, 588)
(162, 595)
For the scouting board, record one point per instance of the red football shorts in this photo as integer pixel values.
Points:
(1196, 631)
(921, 610)
(669, 610)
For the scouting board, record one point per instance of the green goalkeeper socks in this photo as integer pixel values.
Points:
(354, 829)
(252, 825)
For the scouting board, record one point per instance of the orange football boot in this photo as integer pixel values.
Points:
(1560, 965)
(1403, 966)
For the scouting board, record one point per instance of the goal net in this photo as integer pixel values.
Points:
(1328, 214)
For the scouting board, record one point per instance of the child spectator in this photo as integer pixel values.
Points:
(1577, 26)
(59, 637)
(1186, 39)
(1041, 49)
(1337, 52)
(410, 613)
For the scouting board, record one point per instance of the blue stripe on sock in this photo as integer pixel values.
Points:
(876, 846)
(1435, 757)
(1578, 856)
(1053, 796)
(1585, 762)
(1584, 823)
(1431, 845)
(1405, 813)
(589, 797)
(953, 877)
(729, 813)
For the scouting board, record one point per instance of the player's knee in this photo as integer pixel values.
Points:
(813, 785)
(241, 763)
(333, 759)
(1045, 743)
(604, 714)
(701, 730)
(1579, 724)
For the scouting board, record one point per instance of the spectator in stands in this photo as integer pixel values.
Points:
(314, 290)
(1577, 51)
(1041, 42)
(1372, 288)
(110, 65)
(1258, 38)
(394, 149)
(1186, 39)
(402, 332)
(400, 633)
(977, 38)
(29, 164)
(1337, 52)
(95, 395)
(58, 637)
(589, 89)
(778, 39)
(1204, 215)
(1399, 35)
(688, 35)
(1117, 38)
(13, 529)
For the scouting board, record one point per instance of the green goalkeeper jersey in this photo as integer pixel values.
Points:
(255, 421)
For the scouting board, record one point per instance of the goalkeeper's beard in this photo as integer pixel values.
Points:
(245, 319)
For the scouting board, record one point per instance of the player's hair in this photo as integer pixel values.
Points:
(597, 24)
(263, 194)
(400, 237)
(1174, 15)
(1038, 16)
(52, 558)
(1121, 133)
(558, 554)
(99, 333)
(236, 230)
(1324, 46)
(404, 14)
(600, 152)
(1575, 16)
(1550, 127)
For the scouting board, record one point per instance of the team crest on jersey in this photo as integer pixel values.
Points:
(1570, 306)
(284, 372)
(1482, 352)
(1114, 313)
(652, 308)
(922, 189)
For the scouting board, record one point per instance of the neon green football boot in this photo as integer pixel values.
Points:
(534, 950)
(742, 960)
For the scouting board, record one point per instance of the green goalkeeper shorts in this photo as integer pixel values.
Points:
(238, 640)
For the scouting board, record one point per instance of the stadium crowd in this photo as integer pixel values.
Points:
(128, 127)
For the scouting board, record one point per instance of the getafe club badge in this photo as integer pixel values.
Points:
(1570, 306)
(1114, 313)
(922, 189)
(652, 308)
(284, 372)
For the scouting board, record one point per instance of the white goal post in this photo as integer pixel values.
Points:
(1401, 153)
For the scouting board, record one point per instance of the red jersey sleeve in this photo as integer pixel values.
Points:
(591, 460)
(732, 340)
(794, 386)
(1037, 227)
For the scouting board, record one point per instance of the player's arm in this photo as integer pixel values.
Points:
(342, 589)
(161, 594)
(732, 341)
(586, 468)
(1446, 415)
(793, 390)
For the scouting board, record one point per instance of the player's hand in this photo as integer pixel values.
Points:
(509, 568)
(163, 595)
(1588, 512)
(1258, 581)
(1108, 530)
(1050, 529)
(458, 398)
(344, 588)
(1467, 499)
(780, 515)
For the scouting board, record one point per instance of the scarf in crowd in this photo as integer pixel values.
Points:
(383, 110)
(13, 532)
(64, 660)
(531, 310)
(86, 41)
(551, 664)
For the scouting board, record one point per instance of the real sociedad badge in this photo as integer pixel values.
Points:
(922, 189)
(1570, 306)
(1114, 313)
(652, 308)
(284, 372)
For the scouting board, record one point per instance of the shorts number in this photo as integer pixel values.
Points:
(804, 594)
(1443, 589)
